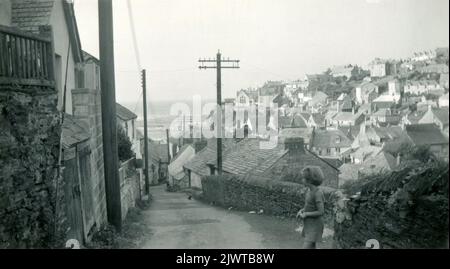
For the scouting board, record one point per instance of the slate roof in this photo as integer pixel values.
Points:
(390, 133)
(291, 163)
(284, 121)
(347, 116)
(124, 113)
(347, 103)
(89, 57)
(318, 98)
(298, 121)
(365, 152)
(350, 131)
(175, 168)
(198, 164)
(318, 118)
(415, 116)
(247, 156)
(294, 121)
(330, 139)
(382, 162)
(441, 114)
(73, 131)
(425, 135)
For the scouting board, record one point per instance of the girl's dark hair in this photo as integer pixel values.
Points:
(313, 175)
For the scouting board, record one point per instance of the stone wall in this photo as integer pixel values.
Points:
(405, 209)
(258, 193)
(30, 132)
(129, 186)
(87, 107)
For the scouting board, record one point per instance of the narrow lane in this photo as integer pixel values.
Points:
(177, 222)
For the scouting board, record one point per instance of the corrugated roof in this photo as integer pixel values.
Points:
(124, 113)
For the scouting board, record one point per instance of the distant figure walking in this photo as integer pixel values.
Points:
(312, 213)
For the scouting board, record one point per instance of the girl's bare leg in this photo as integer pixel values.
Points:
(309, 245)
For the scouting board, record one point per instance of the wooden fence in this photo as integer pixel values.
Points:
(25, 58)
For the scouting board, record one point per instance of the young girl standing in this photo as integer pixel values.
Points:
(312, 213)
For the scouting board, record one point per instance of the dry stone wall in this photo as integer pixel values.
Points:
(29, 149)
(258, 193)
(405, 209)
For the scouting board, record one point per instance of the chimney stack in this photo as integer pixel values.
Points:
(294, 144)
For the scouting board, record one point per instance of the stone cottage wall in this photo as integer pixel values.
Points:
(32, 208)
(258, 193)
(87, 107)
(129, 186)
(406, 209)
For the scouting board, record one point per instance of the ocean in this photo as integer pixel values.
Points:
(158, 117)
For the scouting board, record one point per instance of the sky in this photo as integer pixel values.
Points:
(273, 39)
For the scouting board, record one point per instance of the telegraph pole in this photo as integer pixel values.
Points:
(144, 95)
(109, 127)
(168, 145)
(218, 67)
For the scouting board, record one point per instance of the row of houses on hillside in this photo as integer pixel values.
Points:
(247, 157)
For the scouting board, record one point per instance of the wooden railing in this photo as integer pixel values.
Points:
(25, 58)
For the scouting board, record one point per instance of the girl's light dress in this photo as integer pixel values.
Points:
(313, 226)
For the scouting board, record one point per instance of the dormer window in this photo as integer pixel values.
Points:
(338, 140)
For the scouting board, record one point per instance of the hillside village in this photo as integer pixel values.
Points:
(351, 122)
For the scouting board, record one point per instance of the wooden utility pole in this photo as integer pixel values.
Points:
(144, 93)
(168, 145)
(109, 127)
(218, 67)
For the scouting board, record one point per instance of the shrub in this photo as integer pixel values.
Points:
(123, 145)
